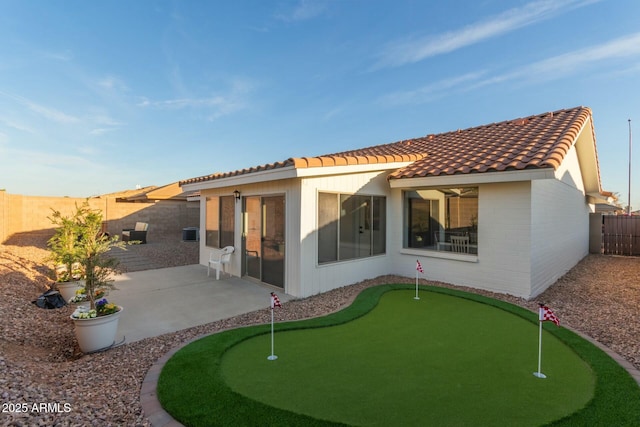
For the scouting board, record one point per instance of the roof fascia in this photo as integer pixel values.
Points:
(588, 158)
(290, 172)
(473, 178)
(243, 179)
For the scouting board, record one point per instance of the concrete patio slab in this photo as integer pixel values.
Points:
(166, 300)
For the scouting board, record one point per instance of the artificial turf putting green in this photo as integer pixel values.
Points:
(440, 359)
(404, 373)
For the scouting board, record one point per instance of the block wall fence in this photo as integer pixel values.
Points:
(30, 214)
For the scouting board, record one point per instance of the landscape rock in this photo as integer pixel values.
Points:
(40, 361)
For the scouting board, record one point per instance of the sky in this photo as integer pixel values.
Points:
(99, 97)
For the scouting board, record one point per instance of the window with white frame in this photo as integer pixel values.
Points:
(350, 226)
(442, 219)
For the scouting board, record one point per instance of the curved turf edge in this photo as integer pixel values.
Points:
(616, 398)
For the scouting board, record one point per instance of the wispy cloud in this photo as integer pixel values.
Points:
(572, 62)
(215, 106)
(103, 123)
(404, 52)
(112, 83)
(46, 112)
(429, 92)
(602, 55)
(100, 131)
(51, 113)
(15, 125)
(303, 11)
(58, 56)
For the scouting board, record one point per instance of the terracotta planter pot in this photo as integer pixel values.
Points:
(98, 333)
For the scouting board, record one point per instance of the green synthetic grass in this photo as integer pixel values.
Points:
(437, 361)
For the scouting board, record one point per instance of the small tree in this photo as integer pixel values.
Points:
(93, 245)
(64, 246)
(79, 241)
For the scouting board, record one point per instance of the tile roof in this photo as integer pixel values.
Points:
(533, 142)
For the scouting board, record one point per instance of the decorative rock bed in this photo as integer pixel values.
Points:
(44, 372)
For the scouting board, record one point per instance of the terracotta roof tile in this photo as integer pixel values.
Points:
(539, 141)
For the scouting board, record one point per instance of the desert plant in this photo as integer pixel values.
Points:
(81, 245)
(97, 266)
(63, 246)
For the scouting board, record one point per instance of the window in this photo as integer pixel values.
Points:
(220, 221)
(350, 226)
(434, 216)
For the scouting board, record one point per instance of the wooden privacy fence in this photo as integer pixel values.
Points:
(621, 235)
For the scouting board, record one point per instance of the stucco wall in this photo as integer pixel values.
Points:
(30, 214)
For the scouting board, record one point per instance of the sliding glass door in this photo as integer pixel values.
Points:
(263, 238)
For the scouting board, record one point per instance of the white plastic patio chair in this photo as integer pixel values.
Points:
(460, 244)
(218, 259)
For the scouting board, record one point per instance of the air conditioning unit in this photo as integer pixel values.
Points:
(190, 234)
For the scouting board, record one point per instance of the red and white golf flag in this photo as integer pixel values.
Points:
(275, 301)
(547, 315)
(419, 266)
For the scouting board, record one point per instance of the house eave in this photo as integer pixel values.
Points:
(290, 172)
(243, 179)
(473, 178)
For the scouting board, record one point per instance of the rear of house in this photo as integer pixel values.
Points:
(502, 207)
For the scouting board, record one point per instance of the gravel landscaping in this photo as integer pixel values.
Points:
(44, 374)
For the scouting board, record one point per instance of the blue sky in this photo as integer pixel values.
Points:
(97, 97)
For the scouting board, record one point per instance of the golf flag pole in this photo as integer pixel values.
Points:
(418, 270)
(544, 314)
(538, 373)
(275, 302)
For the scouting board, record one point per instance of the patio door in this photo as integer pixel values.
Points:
(263, 238)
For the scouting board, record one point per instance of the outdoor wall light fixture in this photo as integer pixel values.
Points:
(236, 194)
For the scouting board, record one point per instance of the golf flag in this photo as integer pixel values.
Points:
(275, 301)
(547, 315)
(418, 270)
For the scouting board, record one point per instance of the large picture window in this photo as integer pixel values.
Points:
(442, 219)
(220, 221)
(350, 226)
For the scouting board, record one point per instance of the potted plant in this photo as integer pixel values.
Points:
(64, 254)
(97, 324)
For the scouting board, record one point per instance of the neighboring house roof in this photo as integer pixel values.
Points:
(534, 142)
(171, 191)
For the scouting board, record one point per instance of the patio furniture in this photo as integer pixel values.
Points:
(460, 244)
(440, 246)
(218, 259)
(139, 233)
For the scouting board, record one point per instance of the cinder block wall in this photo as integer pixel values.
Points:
(30, 214)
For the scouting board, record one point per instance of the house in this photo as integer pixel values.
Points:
(152, 194)
(502, 207)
